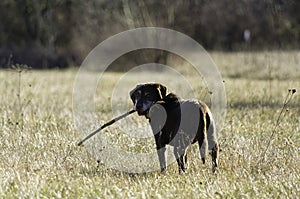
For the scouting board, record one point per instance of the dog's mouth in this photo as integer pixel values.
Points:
(141, 112)
(144, 108)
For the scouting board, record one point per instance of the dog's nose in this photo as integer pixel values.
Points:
(138, 106)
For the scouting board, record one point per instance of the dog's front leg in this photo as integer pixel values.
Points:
(181, 158)
(162, 159)
(161, 149)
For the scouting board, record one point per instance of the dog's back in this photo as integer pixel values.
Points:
(189, 116)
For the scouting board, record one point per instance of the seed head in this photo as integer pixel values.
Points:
(293, 90)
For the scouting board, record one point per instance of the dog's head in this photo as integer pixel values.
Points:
(144, 96)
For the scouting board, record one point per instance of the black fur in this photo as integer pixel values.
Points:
(176, 122)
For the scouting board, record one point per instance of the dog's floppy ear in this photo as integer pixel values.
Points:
(132, 92)
(162, 90)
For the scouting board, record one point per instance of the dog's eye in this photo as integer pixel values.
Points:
(147, 95)
(138, 94)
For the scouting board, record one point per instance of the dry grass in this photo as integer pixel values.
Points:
(40, 159)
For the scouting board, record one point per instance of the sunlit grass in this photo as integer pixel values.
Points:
(40, 158)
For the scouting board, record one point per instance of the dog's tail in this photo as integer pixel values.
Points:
(213, 145)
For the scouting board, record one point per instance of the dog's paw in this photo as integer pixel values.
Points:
(181, 172)
(163, 170)
(186, 167)
(215, 169)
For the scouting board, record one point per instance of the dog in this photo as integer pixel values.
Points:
(176, 122)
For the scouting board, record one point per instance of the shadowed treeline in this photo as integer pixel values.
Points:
(59, 33)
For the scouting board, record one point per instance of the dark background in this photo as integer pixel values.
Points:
(60, 33)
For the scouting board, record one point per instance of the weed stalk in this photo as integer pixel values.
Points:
(19, 68)
(279, 119)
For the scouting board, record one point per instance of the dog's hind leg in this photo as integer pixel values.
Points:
(203, 148)
(202, 139)
(185, 159)
(214, 155)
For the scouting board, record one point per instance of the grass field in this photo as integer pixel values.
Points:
(39, 156)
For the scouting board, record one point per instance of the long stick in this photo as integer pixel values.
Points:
(105, 125)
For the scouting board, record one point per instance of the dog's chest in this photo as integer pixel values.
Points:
(165, 119)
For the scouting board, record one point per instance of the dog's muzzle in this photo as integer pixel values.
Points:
(143, 108)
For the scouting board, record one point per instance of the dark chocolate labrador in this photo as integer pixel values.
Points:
(176, 122)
